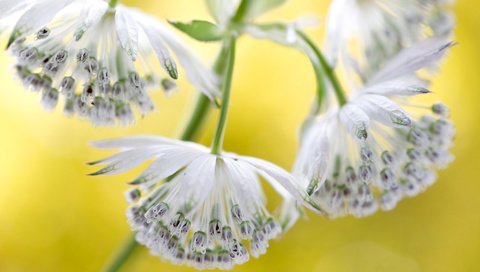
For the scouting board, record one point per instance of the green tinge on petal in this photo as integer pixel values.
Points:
(104, 170)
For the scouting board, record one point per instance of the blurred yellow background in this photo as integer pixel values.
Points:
(55, 218)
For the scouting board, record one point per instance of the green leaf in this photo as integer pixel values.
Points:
(200, 30)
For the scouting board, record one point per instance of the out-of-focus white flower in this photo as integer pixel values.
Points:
(371, 152)
(224, 11)
(366, 33)
(99, 58)
(193, 207)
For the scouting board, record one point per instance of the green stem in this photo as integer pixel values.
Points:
(321, 89)
(113, 3)
(327, 69)
(226, 91)
(241, 11)
(197, 117)
(126, 251)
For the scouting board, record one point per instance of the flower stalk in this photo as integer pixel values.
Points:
(226, 92)
(326, 69)
(123, 253)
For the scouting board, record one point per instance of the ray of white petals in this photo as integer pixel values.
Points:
(165, 165)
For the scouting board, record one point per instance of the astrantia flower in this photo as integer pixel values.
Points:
(196, 208)
(365, 33)
(99, 59)
(371, 152)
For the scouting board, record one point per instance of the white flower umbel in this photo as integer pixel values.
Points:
(193, 207)
(371, 152)
(100, 59)
(365, 33)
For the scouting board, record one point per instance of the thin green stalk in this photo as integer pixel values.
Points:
(197, 117)
(122, 255)
(226, 91)
(113, 3)
(327, 69)
(241, 11)
(321, 89)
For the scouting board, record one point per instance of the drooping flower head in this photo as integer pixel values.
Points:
(200, 209)
(371, 152)
(366, 33)
(100, 59)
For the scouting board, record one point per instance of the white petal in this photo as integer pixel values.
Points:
(395, 89)
(313, 159)
(257, 8)
(195, 182)
(91, 15)
(333, 24)
(143, 142)
(383, 110)
(282, 181)
(422, 55)
(244, 184)
(37, 16)
(355, 120)
(200, 76)
(405, 86)
(168, 163)
(124, 161)
(7, 7)
(127, 32)
(222, 10)
(291, 213)
(164, 57)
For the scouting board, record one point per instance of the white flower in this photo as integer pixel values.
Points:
(99, 59)
(365, 33)
(370, 153)
(200, 209)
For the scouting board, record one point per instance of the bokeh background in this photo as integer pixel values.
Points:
(55, 218)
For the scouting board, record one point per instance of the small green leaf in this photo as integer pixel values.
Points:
(200, 30)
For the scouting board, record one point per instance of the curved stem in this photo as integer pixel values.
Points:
(321, 89)
(226, 91)
(126, 251)
(327, 69)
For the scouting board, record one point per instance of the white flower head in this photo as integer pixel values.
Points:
(371, 152)
(100, 59)
(200, 209)
(365, 33)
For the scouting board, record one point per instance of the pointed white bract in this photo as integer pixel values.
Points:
(379, 147)
(365, 33)
(100, 60)
(193, 207)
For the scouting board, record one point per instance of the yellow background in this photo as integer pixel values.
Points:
(54, 218)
